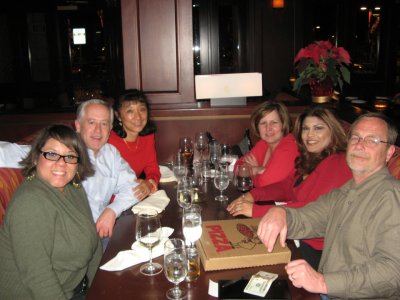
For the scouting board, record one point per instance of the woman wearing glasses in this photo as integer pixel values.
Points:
(49, 247)
(320, 168)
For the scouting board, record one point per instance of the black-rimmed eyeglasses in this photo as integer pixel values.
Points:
(69, 159)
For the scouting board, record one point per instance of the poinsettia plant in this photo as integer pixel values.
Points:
(321, 60)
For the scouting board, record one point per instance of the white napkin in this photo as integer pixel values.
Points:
(166, 174)
(138, 254)
(157, 201)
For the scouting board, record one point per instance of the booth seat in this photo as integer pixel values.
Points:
(11, 178)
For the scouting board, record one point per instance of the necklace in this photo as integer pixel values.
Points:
(136, 144)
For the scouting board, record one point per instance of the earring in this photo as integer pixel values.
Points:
(76, 185)
(120, 122)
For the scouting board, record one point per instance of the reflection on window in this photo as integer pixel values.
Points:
(220, 36)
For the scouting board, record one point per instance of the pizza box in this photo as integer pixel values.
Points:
(231, 244)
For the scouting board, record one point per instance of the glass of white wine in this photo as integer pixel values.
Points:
(184, 192)
(175, 266)
(148, 231)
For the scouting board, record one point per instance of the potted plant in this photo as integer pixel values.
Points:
(322, 66)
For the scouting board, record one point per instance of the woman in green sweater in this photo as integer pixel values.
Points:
(49, 248)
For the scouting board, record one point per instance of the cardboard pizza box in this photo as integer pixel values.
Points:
(231, 244)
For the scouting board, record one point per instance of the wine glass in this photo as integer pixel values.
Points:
(215, 153)
(184, 192)
(201, 142)
(148, 230)
(243, 181)
(186, 150)
(175, 266)
(221, 182)
(191, 224)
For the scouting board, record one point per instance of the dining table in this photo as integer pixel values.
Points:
(131, 284)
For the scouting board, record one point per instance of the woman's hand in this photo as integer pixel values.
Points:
(241, 206)
(143, 189)
(256, 169)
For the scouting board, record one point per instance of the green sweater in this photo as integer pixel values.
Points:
(48, 242)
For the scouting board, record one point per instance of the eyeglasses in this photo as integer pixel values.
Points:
(369, 141)
(69, 159)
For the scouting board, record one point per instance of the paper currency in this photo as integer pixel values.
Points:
(260, 283)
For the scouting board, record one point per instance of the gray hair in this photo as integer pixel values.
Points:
(80, 113)
(391, 127)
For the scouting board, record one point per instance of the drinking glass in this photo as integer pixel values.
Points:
(186, 150)
(191, 224)
(201, 142)
(175, 266)
(179, 168)
(215, 153)
(148, 230)
(221, 182)
(242, 179)
(184, 192)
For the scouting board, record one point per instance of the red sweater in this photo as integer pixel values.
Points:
(330, 174)
(281, 163)
(141, 154)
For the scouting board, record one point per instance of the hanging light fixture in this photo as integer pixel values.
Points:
(278, 3)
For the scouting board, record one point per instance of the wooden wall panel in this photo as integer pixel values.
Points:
(157, 49)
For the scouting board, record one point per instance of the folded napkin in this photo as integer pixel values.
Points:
(157, 201)
(166, 174)
(138, 254)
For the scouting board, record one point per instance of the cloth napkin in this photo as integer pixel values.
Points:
(166, 174)
(138, 254)
(157, 201)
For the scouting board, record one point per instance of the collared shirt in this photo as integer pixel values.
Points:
(361, 226)
(113, 176)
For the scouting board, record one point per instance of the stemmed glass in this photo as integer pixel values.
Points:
(186, 150)
(221, 182)
(201, 142)
(242, 180)
(191, 224)
(148, 230)
(184, 192)
(175, 266)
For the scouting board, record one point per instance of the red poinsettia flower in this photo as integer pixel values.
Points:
(320, 60)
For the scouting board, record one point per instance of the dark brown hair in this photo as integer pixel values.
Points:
(67, 136)
(307, 162)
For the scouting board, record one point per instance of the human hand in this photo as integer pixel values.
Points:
(302, 275)
(251, 160)
(271, 225)
(241, 206)
(105, 223)
(143, 189)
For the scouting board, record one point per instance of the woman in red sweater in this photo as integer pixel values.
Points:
(320, 168)
(133, 135)
(272, 158)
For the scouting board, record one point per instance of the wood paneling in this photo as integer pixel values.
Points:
(157, 46)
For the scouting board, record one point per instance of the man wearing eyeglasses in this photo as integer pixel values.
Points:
(113, 175)
(360, 223)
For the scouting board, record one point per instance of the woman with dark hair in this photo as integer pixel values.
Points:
(49, 247)
(133, 135)
(320, 168)
(272, 158)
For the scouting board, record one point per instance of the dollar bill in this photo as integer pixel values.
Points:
(260, 283)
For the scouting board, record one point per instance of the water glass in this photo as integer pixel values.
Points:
(221, 182)
(175, 266)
